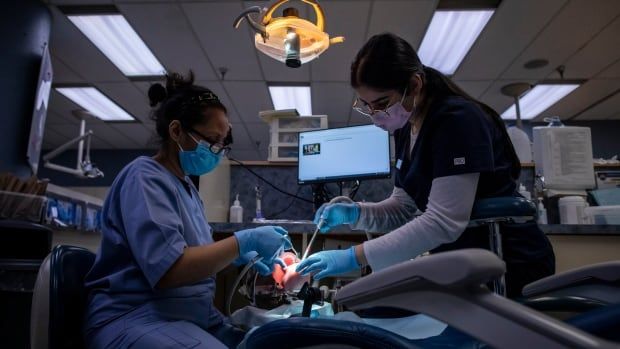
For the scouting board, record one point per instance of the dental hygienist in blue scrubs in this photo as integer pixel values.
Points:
(450, 151)
(153, 280)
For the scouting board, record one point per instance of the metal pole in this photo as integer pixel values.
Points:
(80, 151)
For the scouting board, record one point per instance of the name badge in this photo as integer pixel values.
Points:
(399, 163)
(459, 161)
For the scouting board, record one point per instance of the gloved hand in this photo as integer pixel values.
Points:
(261, 267)
(268, 242)
(326, 263)
(337, 214)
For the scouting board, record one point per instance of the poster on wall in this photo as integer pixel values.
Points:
(44, 85)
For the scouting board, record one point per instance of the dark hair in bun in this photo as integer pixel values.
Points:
(180, 100)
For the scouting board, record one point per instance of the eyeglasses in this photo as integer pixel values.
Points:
(216, 148)
(364, 108)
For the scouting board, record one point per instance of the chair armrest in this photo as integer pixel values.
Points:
(607, 272)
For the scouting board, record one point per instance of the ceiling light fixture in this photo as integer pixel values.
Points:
(118, 41)
(538, 99)
(96, 103)
(291, 97)
(450, 36)
(289, 39)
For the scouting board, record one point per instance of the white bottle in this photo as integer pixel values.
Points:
(542, 213)
(236, 211)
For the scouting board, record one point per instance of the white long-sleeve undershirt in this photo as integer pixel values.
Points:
(447, 215)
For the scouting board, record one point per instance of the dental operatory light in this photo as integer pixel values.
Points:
(110, 32)
(289, 39)
(538, 99)
(96, 103)
(291, 97)
(450, 35)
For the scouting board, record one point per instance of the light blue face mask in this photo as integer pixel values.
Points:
(198, 161)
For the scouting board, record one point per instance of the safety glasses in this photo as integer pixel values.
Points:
(365, 109)
(216, 148)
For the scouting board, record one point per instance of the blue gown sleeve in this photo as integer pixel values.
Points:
(151, 219)
(462, 142)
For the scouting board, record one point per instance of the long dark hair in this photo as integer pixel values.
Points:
(181, 100)
(387, 62)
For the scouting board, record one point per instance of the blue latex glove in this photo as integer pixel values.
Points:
(337, 214)
(327, 263)
(268, 242)
(261, 267)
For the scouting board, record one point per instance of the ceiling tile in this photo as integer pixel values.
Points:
(613, 71)
(128, 97)
(494, 98)
(259, 133)
(333, 99)
(52, 139)
(241, 139)
(407, 19)
(342, 18)
(249, 97)
(142, 136)
(474, 88)
(168, 34)
(580, 99)
(222, 94)
(579, 21)
(64, 74)
(602, 51)
(77, 52)
(513, 26)
(113, 137)
(57, 118)
(608, 109)
(225, 46)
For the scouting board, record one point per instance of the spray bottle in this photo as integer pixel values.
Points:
(236, 212)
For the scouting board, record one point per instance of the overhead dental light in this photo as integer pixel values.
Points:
(289, 39)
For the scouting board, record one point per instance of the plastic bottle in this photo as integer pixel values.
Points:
(236, 211)
(542, 213)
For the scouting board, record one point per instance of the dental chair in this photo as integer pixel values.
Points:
(576, 291)
(449, 287)
(59, 299)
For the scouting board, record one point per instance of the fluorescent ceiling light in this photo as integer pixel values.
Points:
(292, 97)
(96, 103)
(450, 36)
(113, 35)
(539, 99)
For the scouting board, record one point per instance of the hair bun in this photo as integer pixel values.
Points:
(157, 93)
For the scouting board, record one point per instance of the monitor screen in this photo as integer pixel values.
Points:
(340, 154)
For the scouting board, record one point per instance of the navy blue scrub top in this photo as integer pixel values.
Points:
(458, 137)
(148, 219)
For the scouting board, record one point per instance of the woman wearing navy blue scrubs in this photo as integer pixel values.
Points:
(450, 151)
(153, 280)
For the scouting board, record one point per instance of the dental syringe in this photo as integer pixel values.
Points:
(316, 231)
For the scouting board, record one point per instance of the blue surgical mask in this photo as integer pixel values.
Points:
(198, 161)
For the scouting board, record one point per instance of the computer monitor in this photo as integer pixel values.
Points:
(343, 154)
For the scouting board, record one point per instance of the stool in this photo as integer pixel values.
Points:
(493, 211)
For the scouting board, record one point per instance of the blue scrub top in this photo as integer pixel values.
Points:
(148, 218)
